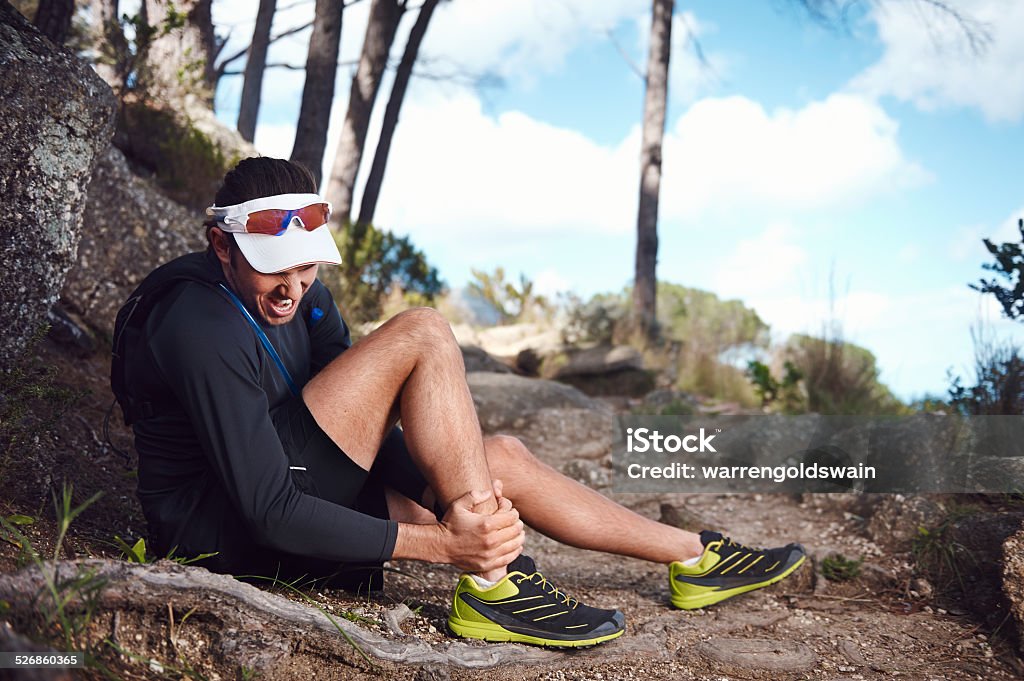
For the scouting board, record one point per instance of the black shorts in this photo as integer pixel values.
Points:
(321, 468)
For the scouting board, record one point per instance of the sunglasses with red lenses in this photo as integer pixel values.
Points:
(275, 221)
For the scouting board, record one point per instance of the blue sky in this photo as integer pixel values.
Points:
(874, 158)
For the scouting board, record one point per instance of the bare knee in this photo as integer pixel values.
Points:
(507, 456)
(428, 330)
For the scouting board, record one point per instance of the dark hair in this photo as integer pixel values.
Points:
(261, 176)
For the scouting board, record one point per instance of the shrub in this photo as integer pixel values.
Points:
(375, 265)
(839, 377)
(1009, 266)
(998, 388)
(512, 303)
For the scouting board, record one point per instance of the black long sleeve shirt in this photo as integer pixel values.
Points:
(213, 475)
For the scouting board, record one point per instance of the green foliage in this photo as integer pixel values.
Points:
(1008, 266)
(137, 553)
(998, 388)
(66, 604)
(124, 43)
(185, 162)
(838, 568)
(66, 512)
(697, 331)
(702, 319)
(839, 377)
(512, 303)
(785, 393)
(376, 263)
(939, 556)
(18, 519)
(595, 320)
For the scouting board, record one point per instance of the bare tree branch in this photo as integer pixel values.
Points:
(837, 13)
(290, 67)
(222, 67)
(633, 66)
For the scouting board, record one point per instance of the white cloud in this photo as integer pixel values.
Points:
(767, 262)
(730, 151)
(456, 170)
(928, 61)
(520, 38)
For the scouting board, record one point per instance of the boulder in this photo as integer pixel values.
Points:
(602, 370)
(597, 361)
(558, 423)
(56, 116)
(509, 341)
(504, 400)
(128, 229)
(477, 359)
(1013, 580)
(997, 475)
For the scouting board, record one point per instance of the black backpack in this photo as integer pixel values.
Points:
(132, 317)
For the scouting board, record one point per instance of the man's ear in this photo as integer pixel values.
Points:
(221, 242)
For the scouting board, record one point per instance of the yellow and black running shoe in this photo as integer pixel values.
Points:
(525, 607)
(727, 569)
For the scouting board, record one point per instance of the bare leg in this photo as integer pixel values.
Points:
(410, 367)
(574, 514)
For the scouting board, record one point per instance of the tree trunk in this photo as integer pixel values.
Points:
(255, 63)
(108, 41)
(318, 90)
(380, 33)
(380, 157)
(655, 100)
(53, 18)
(179, 62)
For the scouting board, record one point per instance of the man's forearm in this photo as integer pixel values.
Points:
(421, 542)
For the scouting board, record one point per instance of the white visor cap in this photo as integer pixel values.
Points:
(294, 247)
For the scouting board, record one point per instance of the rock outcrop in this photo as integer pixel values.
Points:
(56, 116)
(602, 370)
(1013, 580)
(129, 228)
(558, 423)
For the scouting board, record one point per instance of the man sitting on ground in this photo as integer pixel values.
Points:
(264, 438)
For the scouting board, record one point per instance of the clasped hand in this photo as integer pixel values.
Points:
(480, 542)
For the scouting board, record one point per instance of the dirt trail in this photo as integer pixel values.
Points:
(802, 628)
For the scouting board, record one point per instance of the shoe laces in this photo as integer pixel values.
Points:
(549, 588)
(741, 547)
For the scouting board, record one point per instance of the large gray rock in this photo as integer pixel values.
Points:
(477, 359)
(1013, 580)
(128, 229)
(598, 360)
(56, 115)
(558, 423)
(504, 400)
(602, 370)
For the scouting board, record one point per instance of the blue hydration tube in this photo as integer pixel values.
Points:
(267, 345)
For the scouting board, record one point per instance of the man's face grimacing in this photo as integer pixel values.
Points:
(275, 297)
